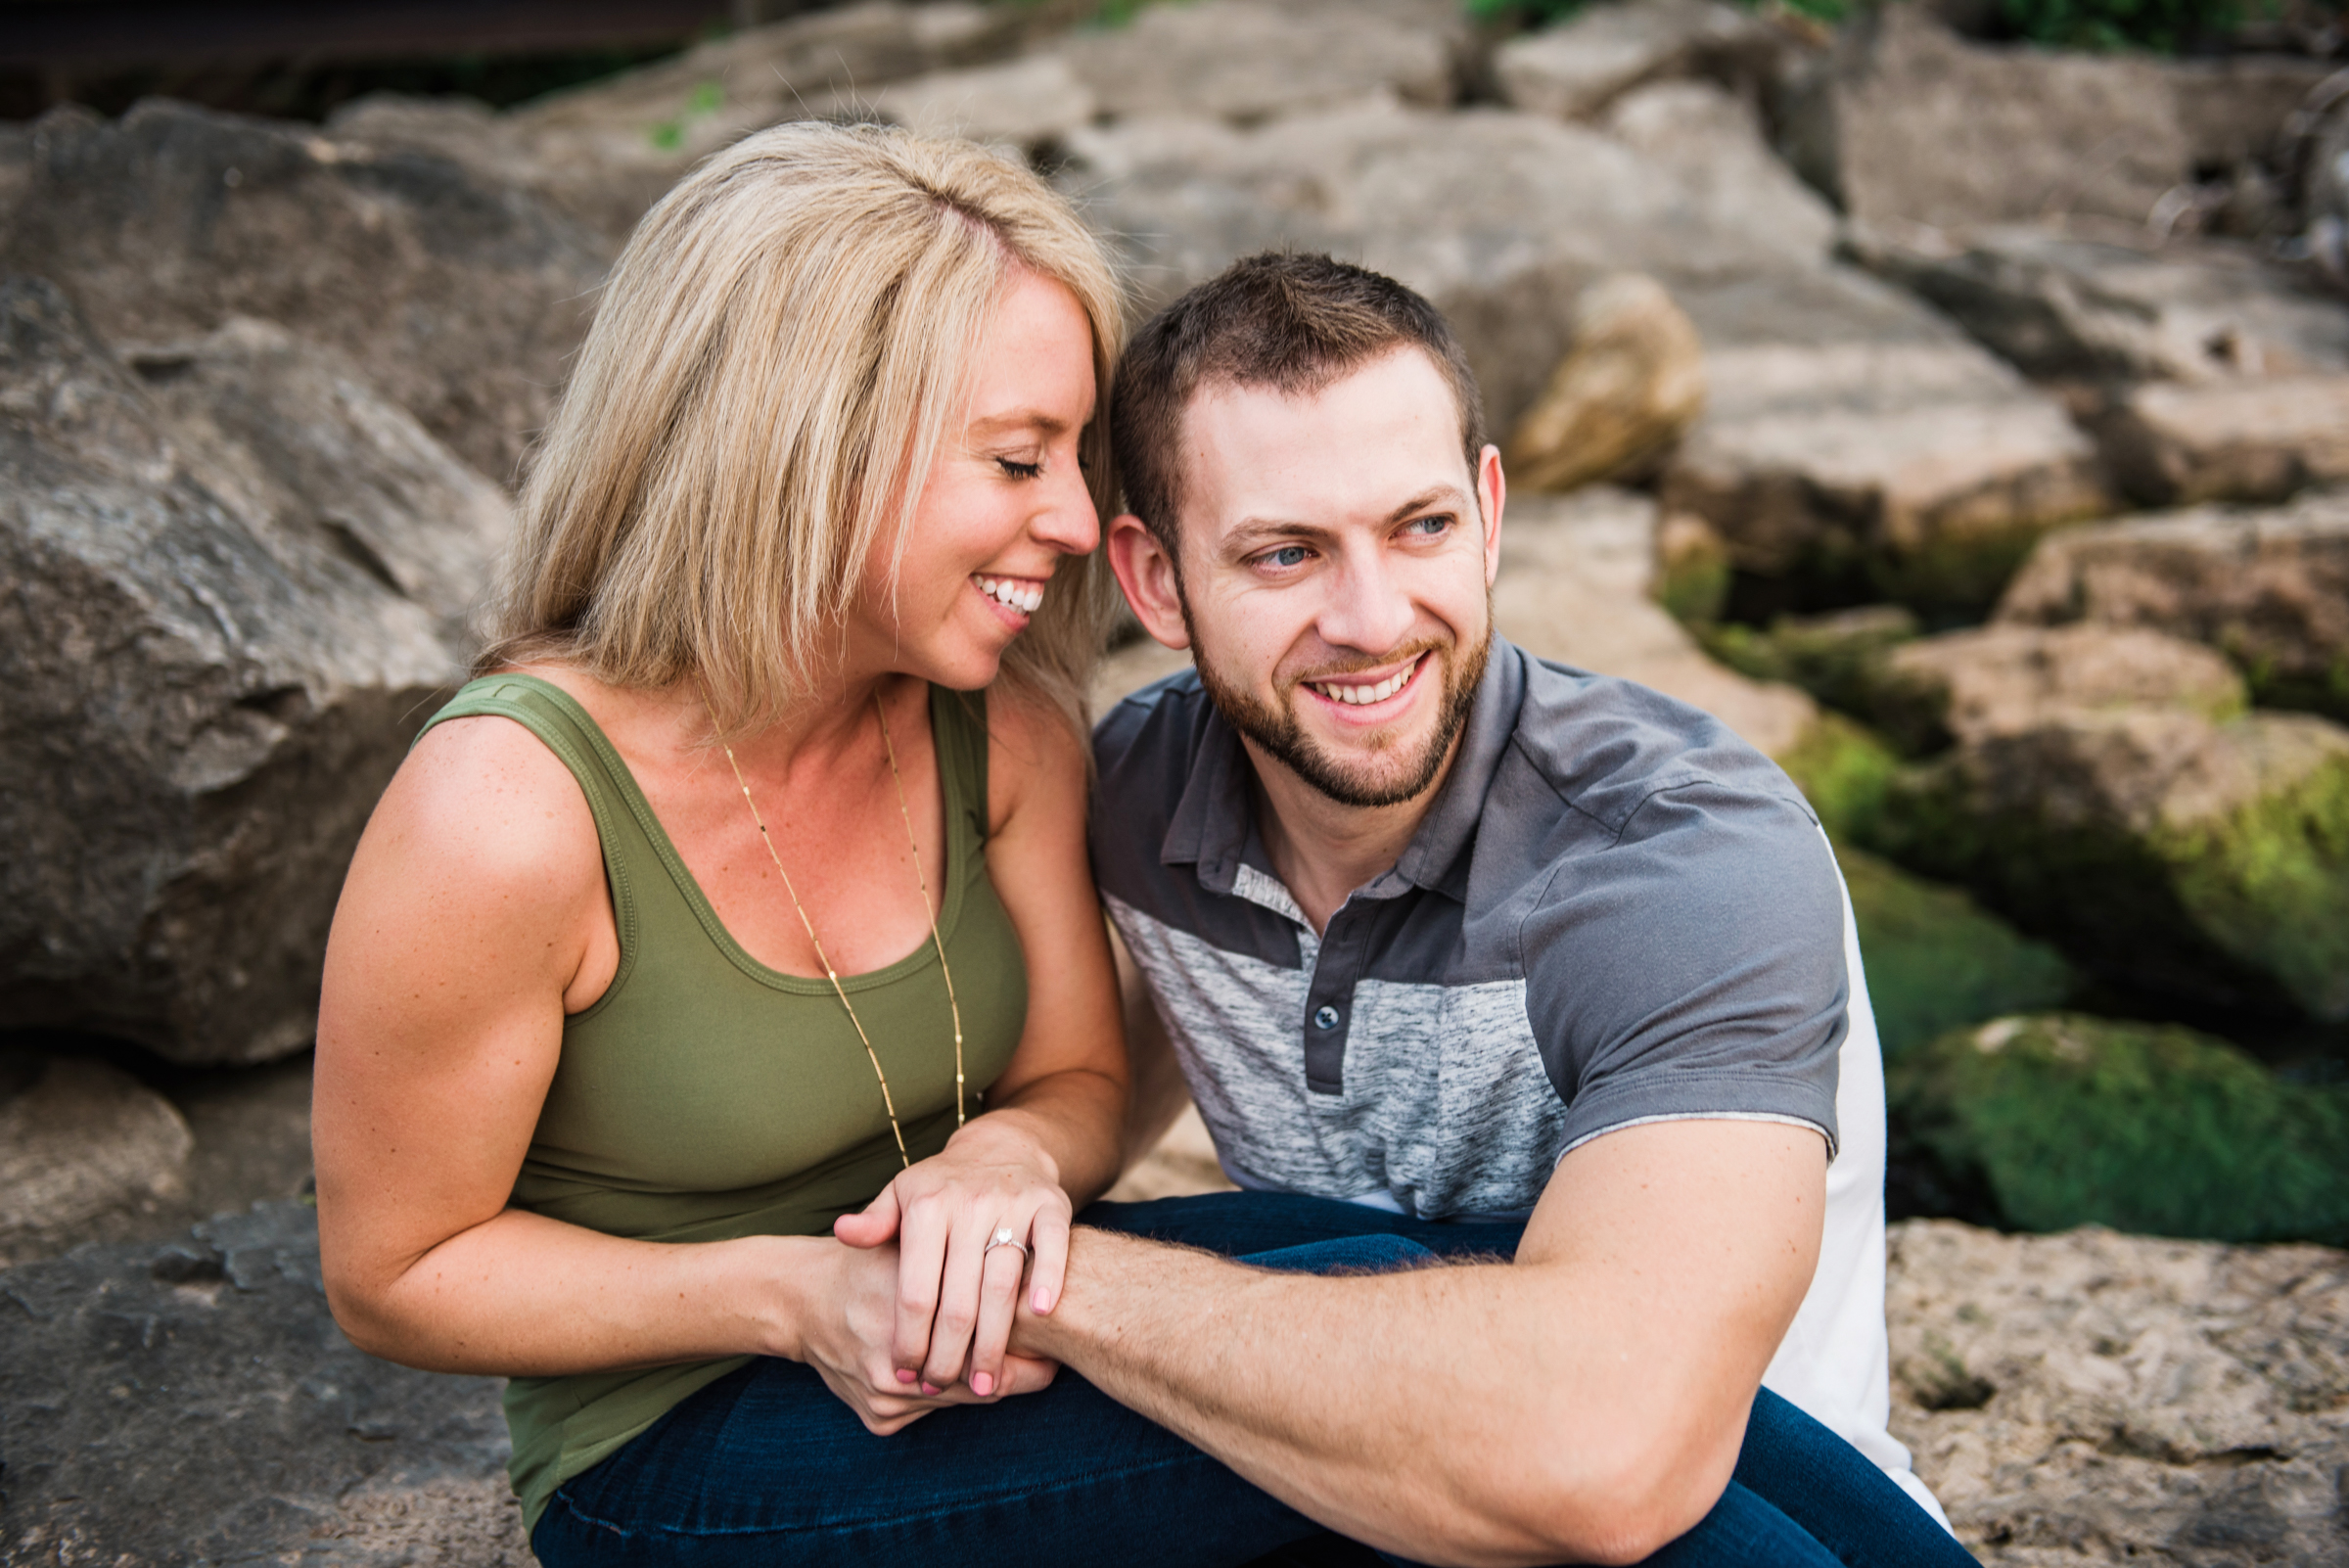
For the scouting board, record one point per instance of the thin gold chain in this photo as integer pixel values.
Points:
(904, 815)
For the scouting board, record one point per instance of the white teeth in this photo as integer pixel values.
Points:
(1360, 694)
(1011, 593)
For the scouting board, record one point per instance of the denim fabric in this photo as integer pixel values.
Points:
(765, 1466)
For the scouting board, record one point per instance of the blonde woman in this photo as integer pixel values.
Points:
(745, 891)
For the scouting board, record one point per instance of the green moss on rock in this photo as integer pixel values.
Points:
(2067, 1120)
(1936, 961)
(1845, 770)
(2271, 884)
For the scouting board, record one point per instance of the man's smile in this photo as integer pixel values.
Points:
(1370, 689)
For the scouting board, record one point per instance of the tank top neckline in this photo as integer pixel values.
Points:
(952, 785)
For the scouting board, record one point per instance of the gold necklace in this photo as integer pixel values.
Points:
(887, 1102)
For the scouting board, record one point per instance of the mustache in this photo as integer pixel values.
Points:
(1401, 654)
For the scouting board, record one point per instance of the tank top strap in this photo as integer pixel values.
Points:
(958, 730)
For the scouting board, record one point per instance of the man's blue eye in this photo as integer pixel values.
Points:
(1288, 555)
(1431, 525)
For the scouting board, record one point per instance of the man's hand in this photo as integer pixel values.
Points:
(849, 1338)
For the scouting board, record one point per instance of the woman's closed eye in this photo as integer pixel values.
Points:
(1013, 468)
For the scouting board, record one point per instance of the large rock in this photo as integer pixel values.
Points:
(1574, 587)
(2061, 306)
(1630, 384)
(194, 1403)
(2063, 1120)
(1936, 961)
(2172, 443)
(1913, 124)
(2269, 588)
(1580, 66)
(1710, 141)
(81, 1144)
(1849, 433)
(1500, 218)
(1022, 103)
(1244, 61)
(462, 296)
(220, 630)
(2105, 790)
(2092, 1398)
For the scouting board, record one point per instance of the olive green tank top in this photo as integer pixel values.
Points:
(706, 1097)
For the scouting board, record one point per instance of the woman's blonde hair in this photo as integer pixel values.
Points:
(775, 359)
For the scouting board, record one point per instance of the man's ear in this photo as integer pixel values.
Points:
(1493, 493)
(1147, 574)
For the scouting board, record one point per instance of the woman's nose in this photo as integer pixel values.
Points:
(1068, 520)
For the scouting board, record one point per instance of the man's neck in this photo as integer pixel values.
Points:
(1322, 848)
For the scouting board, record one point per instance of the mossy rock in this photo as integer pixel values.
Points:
(1692, 570)
(1846, 771)
(2065, 1120)
(2246, 908)
(1937, 961)
(1838, 658)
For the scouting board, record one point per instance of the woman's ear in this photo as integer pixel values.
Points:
(1147, 573)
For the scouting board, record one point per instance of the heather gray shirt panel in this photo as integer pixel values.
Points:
(1613, 911)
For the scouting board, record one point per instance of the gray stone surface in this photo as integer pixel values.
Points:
(460, 295)
(1915, 123)
(83, 1147)
(1246, 61)
(219, 629)
(2172, 443)
(2058, 305)
(2266, 586)
(1575, 68)
(1500, 218)
(192, 1403)
(2091, 1398)
(1847, 426)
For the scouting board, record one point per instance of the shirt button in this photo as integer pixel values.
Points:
(1325, 1017)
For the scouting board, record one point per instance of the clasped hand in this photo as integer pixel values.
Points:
(932, 1331)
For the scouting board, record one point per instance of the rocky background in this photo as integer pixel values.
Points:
(1965, 422)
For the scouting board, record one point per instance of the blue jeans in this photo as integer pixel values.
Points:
(767, 1466)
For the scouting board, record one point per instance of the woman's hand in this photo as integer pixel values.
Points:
(955, 1292)
(849, 1338)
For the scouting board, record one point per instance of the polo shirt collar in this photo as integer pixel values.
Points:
(1214, 825)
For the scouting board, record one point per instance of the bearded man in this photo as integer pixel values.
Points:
(1540, 971)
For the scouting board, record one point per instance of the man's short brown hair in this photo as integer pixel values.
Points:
(1291, 322)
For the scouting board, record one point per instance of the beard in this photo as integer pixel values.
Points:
(1394, 773)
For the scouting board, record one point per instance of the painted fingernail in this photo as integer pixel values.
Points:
(981, 1384)
(906, 1374)
(932, 1392)
(1041, 1300)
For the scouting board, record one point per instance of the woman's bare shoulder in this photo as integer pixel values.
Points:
(1036, 755)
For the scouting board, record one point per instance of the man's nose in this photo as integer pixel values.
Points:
(1367, 609)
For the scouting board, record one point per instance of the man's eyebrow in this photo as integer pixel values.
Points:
(1253, 533)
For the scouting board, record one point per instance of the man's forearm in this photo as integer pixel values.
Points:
(1585, 1402)
(1391, 1406)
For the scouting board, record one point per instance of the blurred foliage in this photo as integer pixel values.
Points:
(1838, 657)
(1937, 961)
(1846, 771)
(2062, 1120)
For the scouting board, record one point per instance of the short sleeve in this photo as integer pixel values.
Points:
(1693, 968)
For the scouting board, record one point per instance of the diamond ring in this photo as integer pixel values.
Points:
(1003, 1238)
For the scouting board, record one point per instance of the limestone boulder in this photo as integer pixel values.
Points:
(1574, 581)
(2058, 305)
(1911, 122)
(2267, 587)
(230, 601)
(1853, 435)
(463, 295)
(1019, 104)
(2172, 444)
(1632, 382)
(193, 1401)
(1502, 218)
(2093, 1397)
(2107, 789)
(1710, 140)
(81, 1144)
(1578, 67)
(1247, 61)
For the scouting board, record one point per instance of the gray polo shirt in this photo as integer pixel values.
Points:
(1614, 912)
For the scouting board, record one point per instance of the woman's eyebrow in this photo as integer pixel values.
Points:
(1021, 419)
